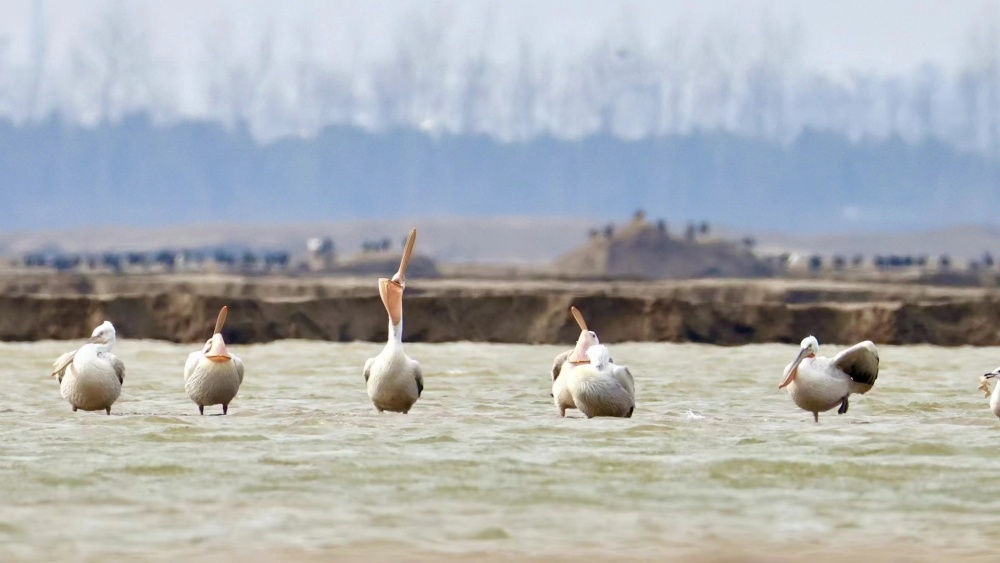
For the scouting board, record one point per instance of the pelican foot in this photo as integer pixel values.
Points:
(74, 409)
(201, 409)
(843, 406)
(816, 417)
(225, 408)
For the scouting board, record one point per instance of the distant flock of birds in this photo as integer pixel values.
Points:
(584, 378)
(271, 261)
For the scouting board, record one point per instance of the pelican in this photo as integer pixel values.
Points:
(394, 381)
(213, 375)
(995, 396)
(90, 378)
(587, 378)
(818, 384)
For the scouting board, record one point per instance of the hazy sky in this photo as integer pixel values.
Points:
(839, 36)
(878, 35)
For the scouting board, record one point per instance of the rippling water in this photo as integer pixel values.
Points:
(716, 462)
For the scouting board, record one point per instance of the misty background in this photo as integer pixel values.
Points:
(759, 116)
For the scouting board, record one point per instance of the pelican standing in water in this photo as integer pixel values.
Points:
(817, 384)
(394, 381)
(91, 377)
(995, 396)
(212, 375)
(586, 378)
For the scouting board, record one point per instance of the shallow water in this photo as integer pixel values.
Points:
(716, 460)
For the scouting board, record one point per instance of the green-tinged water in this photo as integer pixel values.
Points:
(715, 461)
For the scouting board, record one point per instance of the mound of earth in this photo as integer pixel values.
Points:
(644, 251)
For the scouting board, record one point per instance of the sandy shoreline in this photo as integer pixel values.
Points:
(181, 308)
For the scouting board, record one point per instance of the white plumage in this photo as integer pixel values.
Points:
(394, 381)
(995, 395)
(586, 378)
(213, 375)
(817, 384)
(91, 377)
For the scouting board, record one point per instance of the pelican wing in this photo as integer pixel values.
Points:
(624, 377)
(119, 367)
(62, 360)
(239, 366)
(419, 375)
(190, 364)
(368, 368)
(558, 363)
(860, 362)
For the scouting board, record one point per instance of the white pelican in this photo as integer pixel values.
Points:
(818, 384)
(995, 396)
(212, 376)
(91, 377)
(587, 378)
(394, 381)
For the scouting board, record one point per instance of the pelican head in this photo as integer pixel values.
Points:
(599, 356)
(103, 336)
(808, 349)
(391, 290)
(587, 339)
(215, 349)
(992, 374)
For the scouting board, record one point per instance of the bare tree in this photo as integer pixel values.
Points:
(715, 83)
(923, 100)
(672, 68)
(969, 88)
(236, 89)
(410, 86)
(982, 80)
(768, 81)
(7, 85)
(315, 95)
(524, 94)
(473, 99)
(39, 52)
(114, 67)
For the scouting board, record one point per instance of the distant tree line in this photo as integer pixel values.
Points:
(689, 80)
(57, 174)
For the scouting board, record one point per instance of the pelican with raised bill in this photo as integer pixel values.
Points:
(817, 384)
(213, 375)
(586, 378)
(90, 378)
(995, 396)
(394, 381)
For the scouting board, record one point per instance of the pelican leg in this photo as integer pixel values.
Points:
(201, 409)
(225, 408)
(816, 417)
(74, 409)
(630, 411)
(562, 412)
(843, 405)
(108, 410)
